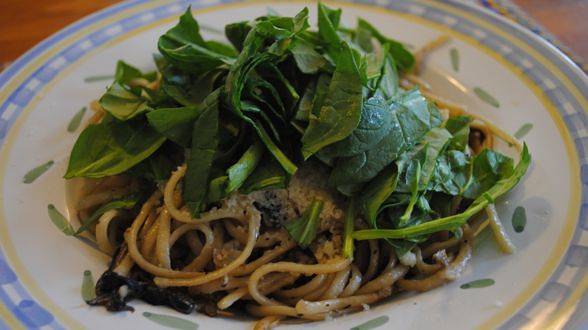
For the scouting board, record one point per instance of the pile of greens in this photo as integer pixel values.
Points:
(244, 116)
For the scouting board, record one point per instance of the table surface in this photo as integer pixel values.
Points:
(24, 23)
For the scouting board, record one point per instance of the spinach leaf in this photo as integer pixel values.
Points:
(459, 127)
(187, 89)
(341, 111)
(124, 103)
(242, 169)
(303, 230)
(183, 46)
(268, 174)
(488, 168)
(175, 123)
(328, 23)
(111, 147)
(309, 61)
(305, 104)
(237, 32)
(375, 123)
(377, 192)
(348, 228)
(453, 222)
(388, 83)
(452, 174)
(125, 203)
(414, 178)
(412, 117)
(126, 73)
(199, 161)
(157, 168)
(403, 58)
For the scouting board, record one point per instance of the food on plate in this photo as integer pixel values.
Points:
(290, 172)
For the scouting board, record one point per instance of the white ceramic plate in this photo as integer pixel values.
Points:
(543, 284)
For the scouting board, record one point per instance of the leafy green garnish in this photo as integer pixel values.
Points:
(303, 230)
(111, 147)
(199, 161)
(125, 203)
(455, 221)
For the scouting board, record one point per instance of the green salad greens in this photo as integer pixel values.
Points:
(244, 115)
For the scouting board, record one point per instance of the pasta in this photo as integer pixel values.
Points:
(278, 239)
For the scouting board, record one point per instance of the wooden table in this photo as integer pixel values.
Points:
(24, 23)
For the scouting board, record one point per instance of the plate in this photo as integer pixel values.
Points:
(494, 67)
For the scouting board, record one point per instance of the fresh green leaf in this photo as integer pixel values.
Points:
(488, 168)
(459, 127)
(237, 32)
(267, 175)
(377, 192)
(309, 61)
(111, 147)
(125, 203)
(349, 227)
(303, 230)
(123, 103)
(175, 123)
(412, 117)
(402, 57)
(199, 161)
(183, 46)
(455, 221)
(341, 111)
(242, 169)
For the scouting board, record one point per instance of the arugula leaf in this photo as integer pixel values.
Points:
(123, 103)
(267, 175)
(303, 230)
(341, 111)
(125, 203)
(111, 147)
(199, 161)
(403, 58)
(242, 169)
(453, 222)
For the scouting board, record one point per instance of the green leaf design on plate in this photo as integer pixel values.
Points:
(92, 79)
(171, 321)
(88, 292)
(59, 220)
(519, 219)
(36, 172)
(486, 97)
(523, 130)
(75, 121)
(478, 284)
(372, 324)
(454, 55)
